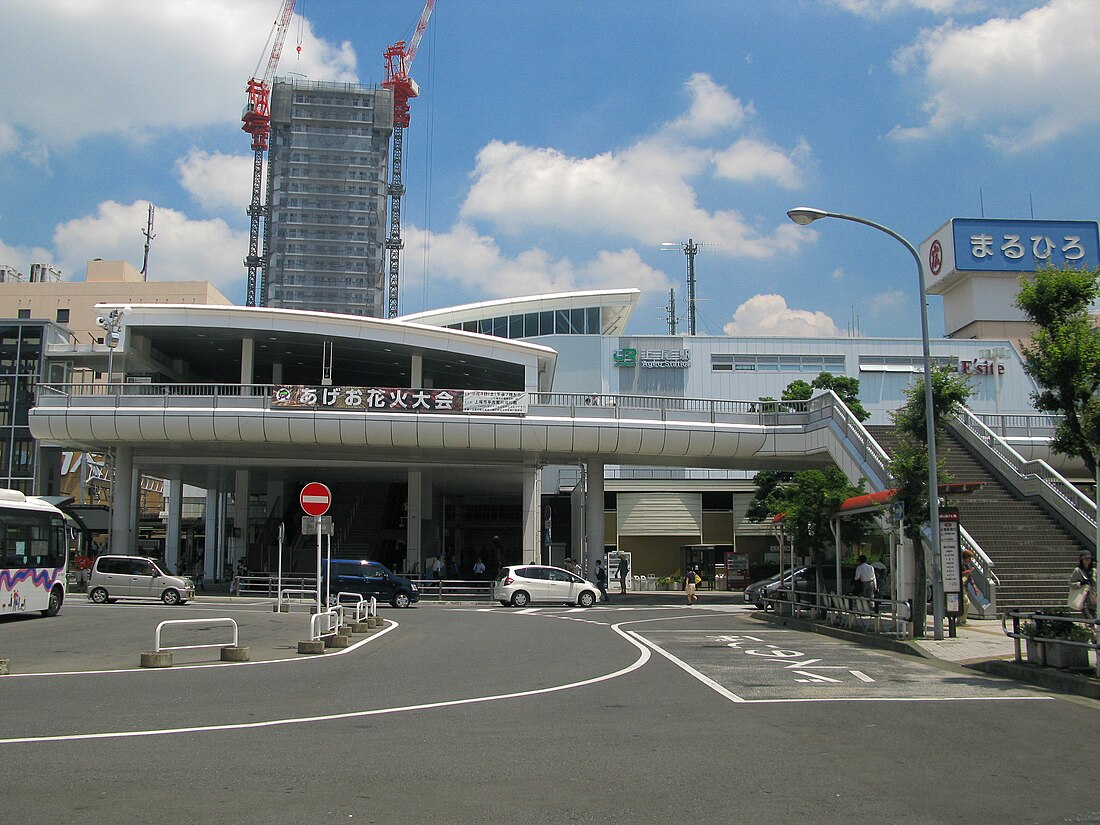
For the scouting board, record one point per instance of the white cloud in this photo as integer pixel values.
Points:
(1022, 80)
(216, 180)
(144, 54)
(21, 257)
(464, 257)
(750, 160)
(886, 303)
(881, 8)
(183, 250)
(770, 315)
(9, 140)
(712, 109)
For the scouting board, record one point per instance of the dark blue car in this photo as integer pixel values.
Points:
(369, 578)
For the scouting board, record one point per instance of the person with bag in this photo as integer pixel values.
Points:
(1082, 586)
(691, 580)
(601, 580)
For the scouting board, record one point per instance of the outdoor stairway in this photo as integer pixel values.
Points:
(1033, 554)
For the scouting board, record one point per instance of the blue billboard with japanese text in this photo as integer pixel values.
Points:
(982, 245)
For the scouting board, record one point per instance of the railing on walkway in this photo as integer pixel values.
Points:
(883, 617)
(1030, 477)
(323, 624)
(1065, 632)
(353, 608)
(267, 584)
(454, 590)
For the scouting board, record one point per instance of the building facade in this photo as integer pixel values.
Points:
(326, 192)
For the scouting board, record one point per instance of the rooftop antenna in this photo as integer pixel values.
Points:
(670, 312)
(981, 202)
(690, 249)
(1031, 200)
(148, 233)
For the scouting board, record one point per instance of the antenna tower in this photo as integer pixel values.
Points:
(148, 233)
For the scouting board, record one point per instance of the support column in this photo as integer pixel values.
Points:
(239, 544)
(211, 568)
(277, 372)
(414, 516)
(593, 514)
(416, 371)
(175, 513)
(248, 360)
(122, 496)
(532, 521)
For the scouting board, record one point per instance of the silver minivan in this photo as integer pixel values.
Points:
(136, 577)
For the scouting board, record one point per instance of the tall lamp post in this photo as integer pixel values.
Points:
(112, 326)
(804, 216)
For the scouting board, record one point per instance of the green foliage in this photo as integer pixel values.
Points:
(798, 391)
(1055, 629)
(766, 481)
(846, 388)
(1064, 355)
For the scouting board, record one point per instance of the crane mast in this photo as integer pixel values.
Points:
(256, 121)
(399, 59)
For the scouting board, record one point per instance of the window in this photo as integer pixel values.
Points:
(24, 313)
(63, 316)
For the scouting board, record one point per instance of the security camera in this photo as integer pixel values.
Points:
(113, 339)
(101, 321)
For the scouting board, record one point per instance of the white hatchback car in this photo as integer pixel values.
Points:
(519, 585)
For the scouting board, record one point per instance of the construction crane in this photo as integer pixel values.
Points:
(256, 121)
(399, 59)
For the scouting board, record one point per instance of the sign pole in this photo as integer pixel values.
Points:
(279, 579)
(317, 519)
(328, 566)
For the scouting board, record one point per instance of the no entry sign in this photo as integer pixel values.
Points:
(315, 499)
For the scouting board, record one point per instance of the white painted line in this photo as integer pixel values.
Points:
(861, 675)
(176, 668)
(706, 680)
(643, 657)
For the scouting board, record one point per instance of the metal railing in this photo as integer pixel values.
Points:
(158, 647)
(1033, 477)
(323, 624)
(874, 614)
(454, 590)
(354, 608)
(267, 584)
(1044, 622)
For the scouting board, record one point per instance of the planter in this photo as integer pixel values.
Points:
(1052, 654)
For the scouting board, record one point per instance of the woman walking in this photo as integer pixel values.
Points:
(1084, 576)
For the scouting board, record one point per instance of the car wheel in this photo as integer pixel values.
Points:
(98, 595)
(170, 596)
(520, 599)
(587, 599)
(401, 600)
(54, 606)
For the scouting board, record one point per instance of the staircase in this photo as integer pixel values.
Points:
(1032, 552)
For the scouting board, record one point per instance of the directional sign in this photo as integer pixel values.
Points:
(315, 499)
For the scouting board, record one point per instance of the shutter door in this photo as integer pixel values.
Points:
(660, 514)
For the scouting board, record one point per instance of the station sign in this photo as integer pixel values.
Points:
(679, 359)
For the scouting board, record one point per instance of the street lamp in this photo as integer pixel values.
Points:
(804, 216)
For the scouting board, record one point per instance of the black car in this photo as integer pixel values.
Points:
(369, 578)
(805, 581)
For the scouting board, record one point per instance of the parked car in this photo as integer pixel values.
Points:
(136, 577)
(805, 581)
(521, 584)
(369, 578)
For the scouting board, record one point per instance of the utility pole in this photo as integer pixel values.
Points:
(148, 233)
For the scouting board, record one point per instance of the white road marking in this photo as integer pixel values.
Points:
(643, 657)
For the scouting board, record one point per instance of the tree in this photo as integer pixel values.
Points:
(1064, 355)
(846, 388)
(909, 466)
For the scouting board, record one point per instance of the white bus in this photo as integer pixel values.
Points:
(33, 555)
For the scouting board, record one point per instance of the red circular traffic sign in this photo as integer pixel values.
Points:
(315, 499)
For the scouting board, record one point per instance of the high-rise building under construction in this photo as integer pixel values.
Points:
(327, 179)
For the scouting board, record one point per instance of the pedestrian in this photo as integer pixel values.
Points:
(691, 582)
(866, 581)
(966, 570)
(200, 573)
(437, 568)
(479, 568)
(624, 568)
(601, 580)
(1083, 586)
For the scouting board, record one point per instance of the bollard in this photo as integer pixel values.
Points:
(344, 630)
(373, 621)
(311, 646)
(280, 608)
(360, 627)
(337, 641)
(5, 667)
(235, 654)
(155, 659)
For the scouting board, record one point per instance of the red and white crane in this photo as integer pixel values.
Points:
(256, 121)
(399, 59)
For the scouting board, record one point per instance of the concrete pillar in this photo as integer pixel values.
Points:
(593, 513)
(414, 516)
(122, 497)
(211, 568)
(248, 360)
(276, 507)
(174, 491)
(277, 372)
(239, 544)
(532, 515)
(416, 371)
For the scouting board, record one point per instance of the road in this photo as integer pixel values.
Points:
(546, 715)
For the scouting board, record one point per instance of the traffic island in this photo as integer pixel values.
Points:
(156, 659)
(311, 646)
(235, 654)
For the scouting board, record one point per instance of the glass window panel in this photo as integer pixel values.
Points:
(530, 324)
(515, 326)
(576, 320)
(561, 322)
(546, 323)
(593, 326)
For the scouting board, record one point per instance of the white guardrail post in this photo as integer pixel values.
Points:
(160, 655)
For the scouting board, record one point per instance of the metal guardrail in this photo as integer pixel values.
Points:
(1037, 619)
(885, 616)
(323, 624)
(267, 584)
(1033, 477)
(354, 608)
(455, 590)
(158, 648)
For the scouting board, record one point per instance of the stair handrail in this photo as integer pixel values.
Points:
(871, 455)
(1031, 477)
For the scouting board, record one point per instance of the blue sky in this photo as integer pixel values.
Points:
(557, 144)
